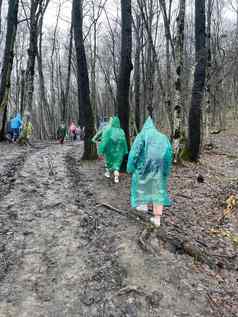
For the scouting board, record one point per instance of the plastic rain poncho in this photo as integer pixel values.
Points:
(27, 130)
(113, 145)
(62, 131)
(149, 163)
(16, 122)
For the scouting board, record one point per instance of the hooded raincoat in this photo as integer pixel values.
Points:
(16, 122)
(149, 163)
(113, 145)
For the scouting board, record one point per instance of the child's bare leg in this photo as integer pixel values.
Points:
(157, 210)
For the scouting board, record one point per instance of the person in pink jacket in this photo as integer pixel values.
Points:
(73, 131)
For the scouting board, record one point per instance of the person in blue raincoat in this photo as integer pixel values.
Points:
(16, 124)
(149, 162)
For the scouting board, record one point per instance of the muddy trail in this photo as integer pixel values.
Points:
(71, 246)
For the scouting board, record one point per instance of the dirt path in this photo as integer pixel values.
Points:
(64, 254)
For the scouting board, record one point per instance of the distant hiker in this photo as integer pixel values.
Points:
(61, 132)
(78, 132)
(149, 163)
(113, 147)
(26, 132)
(73, 131)
(16, 124)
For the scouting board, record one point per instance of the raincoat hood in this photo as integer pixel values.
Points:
(149, 124)
(115, 123)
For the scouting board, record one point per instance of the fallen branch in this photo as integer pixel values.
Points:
(130, 289)
(131, 213)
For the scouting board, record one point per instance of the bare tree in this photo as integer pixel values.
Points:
(125, 67)
(0, 16)
(195, 114)
(37, 9)
(87, 119)
(7, 62)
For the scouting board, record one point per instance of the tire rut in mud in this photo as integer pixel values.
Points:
(104, 289)
(7, 176)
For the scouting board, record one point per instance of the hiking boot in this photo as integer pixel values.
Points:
(155, 221)
(116, 177)
(142, 208)
(107, 174)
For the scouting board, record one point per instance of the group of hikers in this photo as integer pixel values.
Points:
(19, 130)
(149, 163)
(73, 132)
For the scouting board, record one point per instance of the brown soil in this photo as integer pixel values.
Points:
(71, 246)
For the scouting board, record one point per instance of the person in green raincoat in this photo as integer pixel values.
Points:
(149, 162)
(61, 132)
(113, 147)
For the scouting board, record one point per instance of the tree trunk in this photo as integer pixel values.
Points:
(93, 66)
(209, 71)
(66, 95)
(7, 62)
(44, 104)
(32, 52)
(195, 113)
(0, 17)
(125, 67)
(169, 42)
(179, 62)
(83, 82)
(137, 77)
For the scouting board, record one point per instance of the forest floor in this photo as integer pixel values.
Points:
(71, 246)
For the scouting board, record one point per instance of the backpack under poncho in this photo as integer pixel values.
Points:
(150, 161)
(113, 145)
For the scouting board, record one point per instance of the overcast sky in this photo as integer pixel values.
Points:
(65, 15)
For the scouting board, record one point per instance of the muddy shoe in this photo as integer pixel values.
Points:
(116, 177)
(107, 174)
(142, 208)
(155, 221)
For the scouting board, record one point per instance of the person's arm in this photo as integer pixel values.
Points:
(134, 154)
(97, 136)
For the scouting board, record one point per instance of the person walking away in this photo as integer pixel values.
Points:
(26, 132)
(16, 124)
(149, 162)
(78, 133)
(113, 147)
(73, 131)
(61, 132)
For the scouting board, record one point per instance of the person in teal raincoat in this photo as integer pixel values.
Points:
(113, 147)
(149, 162)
